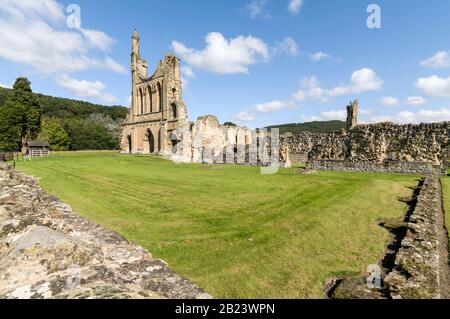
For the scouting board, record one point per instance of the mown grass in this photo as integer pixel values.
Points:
(445, 182)
(231, 230)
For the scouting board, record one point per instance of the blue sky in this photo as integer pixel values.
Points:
(265, 62)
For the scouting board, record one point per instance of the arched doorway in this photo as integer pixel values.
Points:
(151, 141)
(130, 147)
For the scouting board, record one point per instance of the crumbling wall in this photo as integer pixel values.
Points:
(396, 167)
(419, 272)
(47, 251)
(416, 262)
(208, 141)
(374, 144)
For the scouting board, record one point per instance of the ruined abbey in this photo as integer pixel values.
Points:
(384, 147)
(158, 123)
(157, 107)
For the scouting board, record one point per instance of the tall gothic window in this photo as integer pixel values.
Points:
(160, 97)
(142, 100)
(149, 89)
(174, 110)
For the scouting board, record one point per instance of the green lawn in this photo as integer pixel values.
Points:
(234, 232)
(445, 181)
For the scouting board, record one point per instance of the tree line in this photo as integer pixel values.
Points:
(312, 127)
(65, 123)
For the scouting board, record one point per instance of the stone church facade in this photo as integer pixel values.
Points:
(157, 108)
(158, 122)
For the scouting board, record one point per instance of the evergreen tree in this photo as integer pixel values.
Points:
(20, 117)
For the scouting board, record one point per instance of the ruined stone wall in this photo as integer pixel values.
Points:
(207, 141)
(47, 251)
(421, 263)
(374, 144)
(397, 167)
(416, 262)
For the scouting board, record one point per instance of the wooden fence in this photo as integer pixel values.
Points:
(9, 156)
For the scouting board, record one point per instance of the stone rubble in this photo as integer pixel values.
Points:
(47, 251)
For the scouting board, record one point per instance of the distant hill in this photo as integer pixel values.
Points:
(313, 127)
(63, 108)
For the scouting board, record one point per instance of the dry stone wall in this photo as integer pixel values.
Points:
(47, 251)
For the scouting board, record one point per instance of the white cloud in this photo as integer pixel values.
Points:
(129, 100)
(424, 116)
(270, 106)
(440, 60)
(34, 33)
(294, 6)
(245, 117)
(415, 101)
(257, 9)
(363, 80)
(97, 39)
(83, 88)
(287, 46)
(378, 119)
(389, 101)
(319, 56)
(188, 72)
(364, 111)
(224, 56)
(310, 90)
(112, 65)
(434, 86)
(334, 115)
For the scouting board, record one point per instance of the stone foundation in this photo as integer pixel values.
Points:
(47, 251)
(417, 168)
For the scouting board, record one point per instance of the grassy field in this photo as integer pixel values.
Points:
(445, 181)
(234, 232)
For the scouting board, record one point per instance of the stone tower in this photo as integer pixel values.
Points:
(157, 107)
(352, 115)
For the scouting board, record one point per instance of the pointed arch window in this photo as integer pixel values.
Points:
(160, 97)
(173, 109)
(141, 100)
(150, 98)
